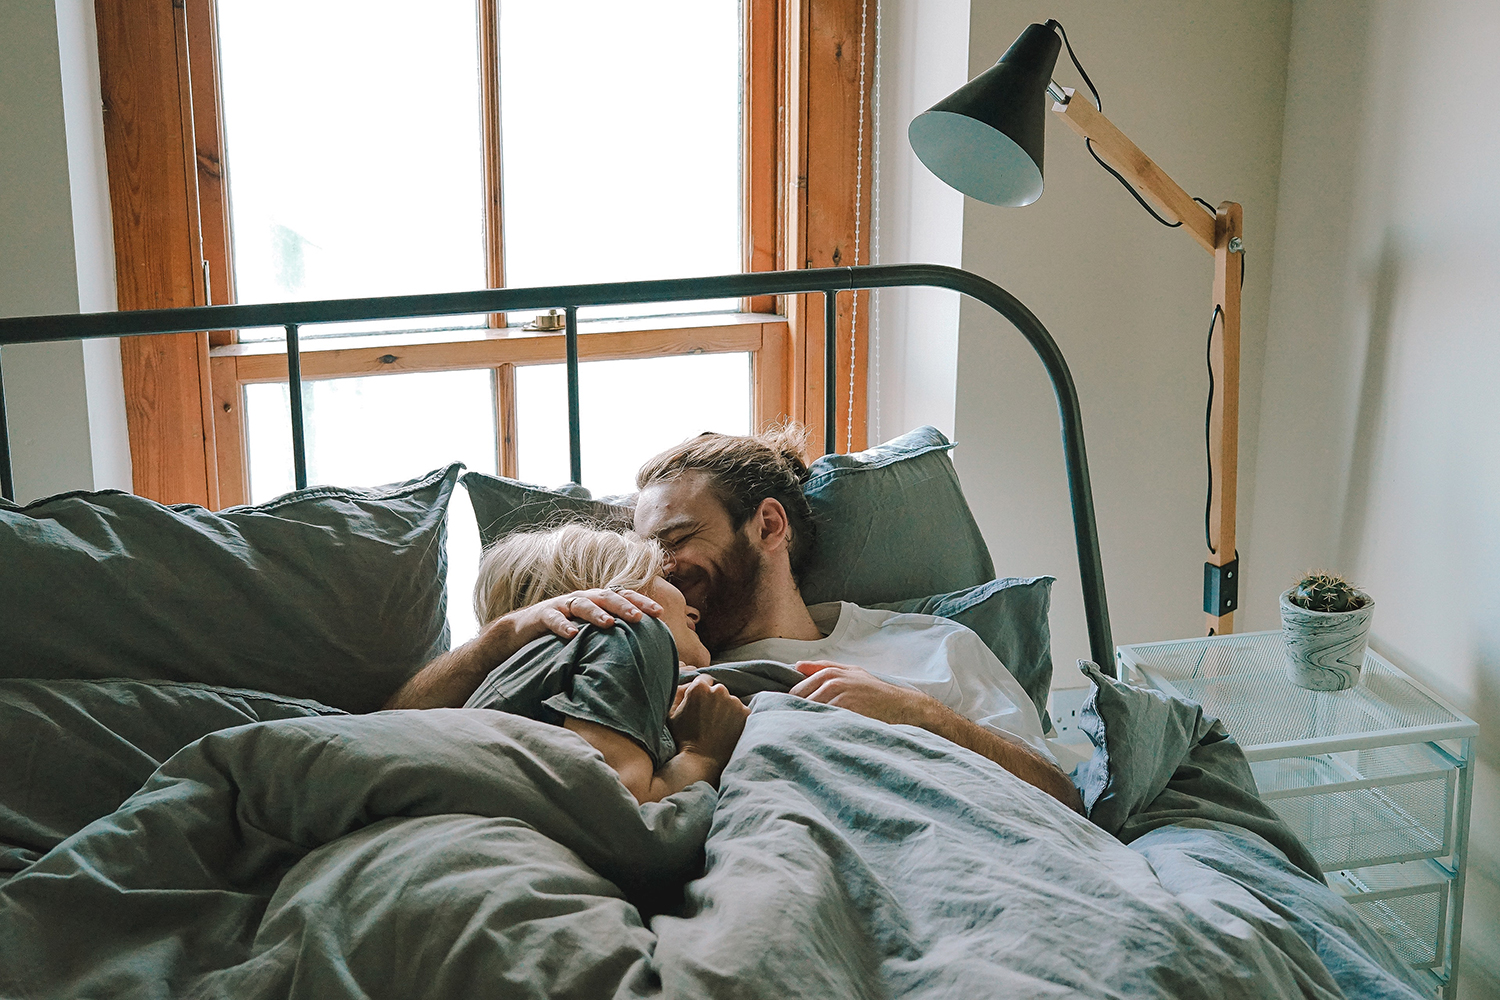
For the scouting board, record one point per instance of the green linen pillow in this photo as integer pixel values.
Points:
(892, 525)
(892, 521)
(338, 595)
(503, 505)
(1010, 615)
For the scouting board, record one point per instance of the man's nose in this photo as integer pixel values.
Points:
(693, 614)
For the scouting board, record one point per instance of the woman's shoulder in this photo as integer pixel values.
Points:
(647, 639)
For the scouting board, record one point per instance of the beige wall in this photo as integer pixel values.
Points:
(914, 345)
(65, 402)
(1199, 86)
(1377, 440)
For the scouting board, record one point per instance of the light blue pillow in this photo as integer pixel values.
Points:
(338, 595)
(1010, 615)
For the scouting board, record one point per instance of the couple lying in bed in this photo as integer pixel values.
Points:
(722, 529)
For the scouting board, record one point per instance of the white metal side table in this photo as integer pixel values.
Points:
(1376, 780)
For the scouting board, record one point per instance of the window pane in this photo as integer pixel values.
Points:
(352, 132)
(621, 130)
(380, 429)
(629, 411)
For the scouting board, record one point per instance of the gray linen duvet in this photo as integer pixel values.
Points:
(455, 853)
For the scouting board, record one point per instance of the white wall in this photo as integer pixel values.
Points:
(914, 363)
(1198, 85)
(65, 402)
(1377, 444)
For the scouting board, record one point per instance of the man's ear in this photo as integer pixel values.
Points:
(770, 525)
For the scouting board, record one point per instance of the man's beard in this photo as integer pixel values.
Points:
(729, 601)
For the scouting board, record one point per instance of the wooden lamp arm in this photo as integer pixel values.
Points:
(1221, 234)
(1137, 168)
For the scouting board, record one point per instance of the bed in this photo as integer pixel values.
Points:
(200, 797)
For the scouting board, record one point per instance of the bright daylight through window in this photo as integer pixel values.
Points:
(356, 166)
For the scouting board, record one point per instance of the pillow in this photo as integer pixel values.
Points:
(872, 545)
(88, 745)
(337, 595)
(1010, 615)
(892, 525)
(503, 505)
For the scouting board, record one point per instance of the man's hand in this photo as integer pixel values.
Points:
(706, 719)
(856, 689)
(448, 681)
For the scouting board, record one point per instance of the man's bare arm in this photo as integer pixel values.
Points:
(449, 679)
(857, 690)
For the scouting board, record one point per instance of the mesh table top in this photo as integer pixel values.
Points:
(1241, 680)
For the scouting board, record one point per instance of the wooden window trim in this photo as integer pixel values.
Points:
(183, 392)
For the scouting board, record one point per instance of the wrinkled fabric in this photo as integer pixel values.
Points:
(462, 852)
(1158, 760)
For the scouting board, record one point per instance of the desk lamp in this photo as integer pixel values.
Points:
(985, 140)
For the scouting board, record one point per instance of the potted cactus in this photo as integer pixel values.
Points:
(1325, 623)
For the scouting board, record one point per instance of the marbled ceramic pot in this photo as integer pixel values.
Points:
(1324, 649)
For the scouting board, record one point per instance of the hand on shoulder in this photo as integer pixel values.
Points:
(598, 607)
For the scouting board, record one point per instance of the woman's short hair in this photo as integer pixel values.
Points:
(744, 470)
(524, 568)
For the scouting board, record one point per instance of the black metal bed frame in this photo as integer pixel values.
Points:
(828, 281)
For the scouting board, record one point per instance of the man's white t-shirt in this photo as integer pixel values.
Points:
(933, 655)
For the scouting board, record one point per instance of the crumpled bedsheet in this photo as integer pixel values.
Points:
(459, 852)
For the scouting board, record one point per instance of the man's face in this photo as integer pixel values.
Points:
(716, 567)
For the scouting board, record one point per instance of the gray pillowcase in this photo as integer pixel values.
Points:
(1010, 615)
(337, 595)
(77, 749)
(503, 505)
(892, 525)
(892, 521)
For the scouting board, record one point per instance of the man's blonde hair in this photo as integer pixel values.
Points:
(524, 568)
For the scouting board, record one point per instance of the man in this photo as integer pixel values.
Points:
(731, 513)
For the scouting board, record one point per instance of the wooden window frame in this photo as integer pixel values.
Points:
(173, 243)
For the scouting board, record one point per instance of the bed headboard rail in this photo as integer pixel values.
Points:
(829, 281)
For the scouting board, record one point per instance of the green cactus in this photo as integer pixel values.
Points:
(1329, 593)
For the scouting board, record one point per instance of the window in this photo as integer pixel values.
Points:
(269, 150)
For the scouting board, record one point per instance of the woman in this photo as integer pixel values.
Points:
(616, 687)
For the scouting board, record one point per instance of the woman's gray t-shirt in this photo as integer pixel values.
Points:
(622, 677)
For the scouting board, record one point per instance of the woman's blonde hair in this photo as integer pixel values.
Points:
(524, 568)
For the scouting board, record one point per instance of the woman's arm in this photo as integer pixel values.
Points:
(706, 721)
(633, 764)
(449, 679)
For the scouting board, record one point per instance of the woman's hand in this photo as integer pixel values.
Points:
(706, 719)
(597, 607)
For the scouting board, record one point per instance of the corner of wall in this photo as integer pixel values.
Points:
(914, 376)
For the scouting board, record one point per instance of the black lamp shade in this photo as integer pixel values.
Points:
(985, 138)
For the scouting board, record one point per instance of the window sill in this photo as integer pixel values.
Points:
(684, 325)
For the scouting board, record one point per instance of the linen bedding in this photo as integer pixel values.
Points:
(464, 851)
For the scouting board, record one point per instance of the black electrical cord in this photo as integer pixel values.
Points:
(1099, 103)
(1208, 504)
(1208, 441)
